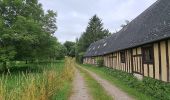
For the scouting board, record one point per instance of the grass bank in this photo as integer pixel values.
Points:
(95, 89)
(43, 81)
(109, 75)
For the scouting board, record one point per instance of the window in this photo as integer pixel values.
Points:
(104, 44)
(122, 56)
(148, 54)
(98, 46)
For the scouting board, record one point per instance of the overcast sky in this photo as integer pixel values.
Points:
(74, 15)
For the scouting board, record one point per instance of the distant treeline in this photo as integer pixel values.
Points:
(94, 32)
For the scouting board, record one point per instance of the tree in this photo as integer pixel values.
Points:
(72, 52)
(70, 46)
(27, 32)
(49, 22)
(7, 50)
(25, 36)
(61, 51)
(126, 23)
(21, 19)
(94, 32)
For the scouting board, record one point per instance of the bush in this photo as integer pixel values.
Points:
(157, 89)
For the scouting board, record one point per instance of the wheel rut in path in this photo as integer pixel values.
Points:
(112, 90)
(80, 89)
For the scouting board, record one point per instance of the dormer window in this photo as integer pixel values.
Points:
(104, 44)
(98, 46)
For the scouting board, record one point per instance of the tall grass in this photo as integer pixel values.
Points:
(40, 85)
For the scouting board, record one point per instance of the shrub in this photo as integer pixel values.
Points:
(157, 89)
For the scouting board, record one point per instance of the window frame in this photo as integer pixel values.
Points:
(122, 56)
(151, 50)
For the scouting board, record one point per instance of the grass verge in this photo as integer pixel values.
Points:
(96, 90)
(104, 73)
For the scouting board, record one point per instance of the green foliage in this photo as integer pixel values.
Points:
(79, 57)
(49, 21)
(61, 52)
(7, 54)
(27, 32)
(94, 32)
(158, 90)
(70, 46)
(151, 87)
(72, 52)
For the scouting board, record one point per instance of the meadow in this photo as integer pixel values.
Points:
(37, 81)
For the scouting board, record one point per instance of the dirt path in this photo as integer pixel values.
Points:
(80, 91)
(112, 90)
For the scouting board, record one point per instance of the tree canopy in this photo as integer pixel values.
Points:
(70, 46)
(27, 31)
(94, 32)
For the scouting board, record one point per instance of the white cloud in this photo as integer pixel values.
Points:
(73, 15)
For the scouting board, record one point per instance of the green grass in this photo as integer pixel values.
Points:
(64, 93)
(32, 69)
(102, 71)
(17, 81)
(96, 90)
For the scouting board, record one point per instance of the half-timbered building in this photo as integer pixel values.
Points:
(142, 47)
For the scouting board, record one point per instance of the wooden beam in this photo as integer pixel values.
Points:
(167, 60)
(148, 70)
(160, 63)
(132, 60)
(153, 61)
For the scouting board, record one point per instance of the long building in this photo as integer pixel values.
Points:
(141, 48)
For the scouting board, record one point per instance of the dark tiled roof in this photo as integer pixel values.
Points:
(152, 25)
